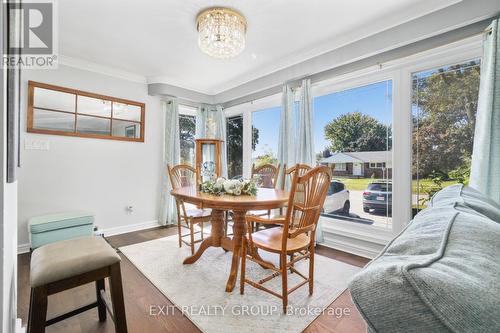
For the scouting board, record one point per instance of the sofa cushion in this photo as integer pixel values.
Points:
(57, 221)
(467, 196)
(441, 274)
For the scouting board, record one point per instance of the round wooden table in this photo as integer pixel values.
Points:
(264, 200)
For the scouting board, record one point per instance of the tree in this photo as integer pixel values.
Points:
(358, 132)
(267, 158)
(444, 117)
(187, 131)
(234, 139)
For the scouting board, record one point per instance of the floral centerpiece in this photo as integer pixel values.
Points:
(221, 186)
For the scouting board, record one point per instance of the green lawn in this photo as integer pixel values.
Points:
(360, 184)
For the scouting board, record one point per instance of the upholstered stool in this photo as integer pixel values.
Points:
(68, 264)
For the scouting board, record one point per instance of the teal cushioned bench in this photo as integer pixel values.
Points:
(51, 228)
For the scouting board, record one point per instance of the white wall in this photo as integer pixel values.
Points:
(102, 176)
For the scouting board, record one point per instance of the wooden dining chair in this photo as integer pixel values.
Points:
(295, 235)
(266, 176)
(188, 215)
(287, 177)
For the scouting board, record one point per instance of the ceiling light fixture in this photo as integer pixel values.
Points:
(221, 32)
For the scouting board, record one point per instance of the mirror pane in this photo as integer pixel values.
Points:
(55, 100)
(126, 111)
(126, 129)
(51, 120)
(94, 106)
(92, 125)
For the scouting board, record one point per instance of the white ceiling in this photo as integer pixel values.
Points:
(158, 39)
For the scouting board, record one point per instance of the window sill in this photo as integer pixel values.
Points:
(363, 240)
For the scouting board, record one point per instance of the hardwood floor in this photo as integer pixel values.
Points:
(140, 294)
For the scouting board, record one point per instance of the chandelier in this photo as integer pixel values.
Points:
(221, 32)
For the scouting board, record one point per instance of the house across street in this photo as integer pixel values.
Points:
(365, 164)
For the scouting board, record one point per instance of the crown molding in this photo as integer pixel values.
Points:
(101, 69)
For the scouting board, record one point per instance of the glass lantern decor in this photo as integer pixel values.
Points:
(208, 159)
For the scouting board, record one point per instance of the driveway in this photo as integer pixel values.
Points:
(376, 218)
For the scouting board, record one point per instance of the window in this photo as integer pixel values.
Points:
(234, 139)
(265, 129)
(63, 111)
(444, 103)
(377, 165)
(187, 131)
(340, 167)
(356, 124)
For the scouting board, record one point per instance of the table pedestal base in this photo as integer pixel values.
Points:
(217, 239)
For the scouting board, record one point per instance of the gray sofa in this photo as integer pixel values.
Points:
(440, 274)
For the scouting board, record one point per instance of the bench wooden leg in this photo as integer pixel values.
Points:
(101, 306)
(38, 310)
(115, 281)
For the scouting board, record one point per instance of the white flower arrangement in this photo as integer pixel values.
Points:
(230, 186)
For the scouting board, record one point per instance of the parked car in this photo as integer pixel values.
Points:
(378, 196)
(337, 198)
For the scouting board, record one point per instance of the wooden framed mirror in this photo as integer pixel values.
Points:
(63, 111)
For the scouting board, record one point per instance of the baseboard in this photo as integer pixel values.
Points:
(25, 248)
(19, 327)
(130, 228)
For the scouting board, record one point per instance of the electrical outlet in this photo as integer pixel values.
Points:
(129, 209)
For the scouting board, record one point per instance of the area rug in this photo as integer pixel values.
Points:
(198, 290)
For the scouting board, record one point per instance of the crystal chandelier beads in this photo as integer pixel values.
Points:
(221, 32)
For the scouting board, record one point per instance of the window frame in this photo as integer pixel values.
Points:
(227, 117)
(31, 109)
(353, 237)
(185, 110)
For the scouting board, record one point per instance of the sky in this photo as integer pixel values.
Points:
(370, 99)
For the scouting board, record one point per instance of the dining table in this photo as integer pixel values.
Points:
(265, 199)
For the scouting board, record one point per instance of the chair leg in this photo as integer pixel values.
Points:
(191, 235)
(179, 230)
(101, 307)
(243, 265)
(38, 310)
(115, 281)
(284, 281)
(311, 269)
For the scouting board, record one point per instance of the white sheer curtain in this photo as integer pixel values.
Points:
(211, 123)
(171, 155)
(220, 133)
(286, 143)
(304, 143)
(201, 121)
(485, 173)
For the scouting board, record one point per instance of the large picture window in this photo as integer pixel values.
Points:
(265, 131)
(353, 136)
(444, 104)
(187, 131)
(234, 137)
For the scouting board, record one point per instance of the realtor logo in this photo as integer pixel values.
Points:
(32, 30)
